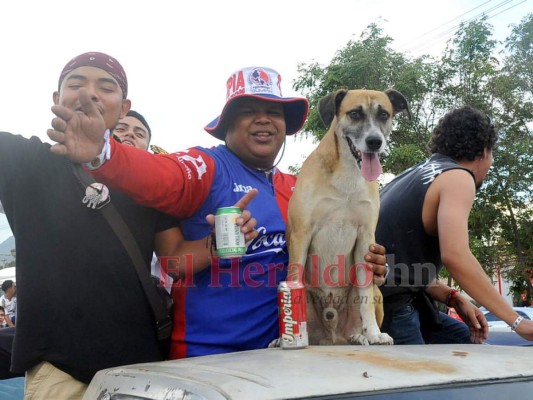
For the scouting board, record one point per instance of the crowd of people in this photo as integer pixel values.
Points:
(167, 201)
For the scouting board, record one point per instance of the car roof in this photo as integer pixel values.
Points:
(319, 371)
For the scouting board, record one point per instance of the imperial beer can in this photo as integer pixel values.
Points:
(292, 309)
(229, 238)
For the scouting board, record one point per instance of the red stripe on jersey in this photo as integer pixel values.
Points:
(284, 187)
(178, 348)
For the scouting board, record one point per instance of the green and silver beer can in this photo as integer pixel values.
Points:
(229, 238)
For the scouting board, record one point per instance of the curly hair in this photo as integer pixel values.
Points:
(463, 133)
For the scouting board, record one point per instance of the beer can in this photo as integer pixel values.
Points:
(292, 311)
(229, 238)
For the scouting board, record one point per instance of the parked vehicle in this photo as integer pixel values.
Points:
(497, 325)
(507, 339)
(437, 372)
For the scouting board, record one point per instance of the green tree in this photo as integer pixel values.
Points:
(370, 63)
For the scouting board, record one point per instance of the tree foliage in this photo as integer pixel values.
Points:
(470, 71)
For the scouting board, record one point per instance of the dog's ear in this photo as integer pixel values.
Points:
(328, 105)
(399, 102)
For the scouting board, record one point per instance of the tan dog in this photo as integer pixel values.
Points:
(333, 214)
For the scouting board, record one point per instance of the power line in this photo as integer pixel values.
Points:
(449, 32)
(501, 12)
(453, 19)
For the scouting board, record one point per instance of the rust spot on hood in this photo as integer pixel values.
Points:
(405, 364)
(459, 353)
(388, 361)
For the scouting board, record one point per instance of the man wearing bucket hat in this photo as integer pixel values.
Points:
(231, 306)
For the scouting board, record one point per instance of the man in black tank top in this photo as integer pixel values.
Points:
(423, 224)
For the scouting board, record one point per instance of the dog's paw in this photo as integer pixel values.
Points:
(381, 338)
(358, 339)
(275, 343)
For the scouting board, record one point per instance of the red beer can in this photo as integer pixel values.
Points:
(292, 311)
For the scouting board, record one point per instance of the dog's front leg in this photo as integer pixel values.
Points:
(298, 239)
(364, 283)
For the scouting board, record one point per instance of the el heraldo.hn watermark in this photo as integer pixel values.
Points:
(236, 273)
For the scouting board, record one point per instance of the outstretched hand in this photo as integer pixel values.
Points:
(79, 134)
(245, 221)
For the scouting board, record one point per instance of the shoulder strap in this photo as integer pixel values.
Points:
(128, 241)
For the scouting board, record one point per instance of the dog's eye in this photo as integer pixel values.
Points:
(383, 115)
(356, 115)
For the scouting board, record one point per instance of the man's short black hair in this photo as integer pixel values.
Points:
(7, 284)
(135, 114)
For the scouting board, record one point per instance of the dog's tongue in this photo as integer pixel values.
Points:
(370, 166)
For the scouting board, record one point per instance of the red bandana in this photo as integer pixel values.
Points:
(98, 60)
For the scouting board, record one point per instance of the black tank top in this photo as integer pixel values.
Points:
(412, 254)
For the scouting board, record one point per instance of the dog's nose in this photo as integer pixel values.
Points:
(330, 315)
(373, 143)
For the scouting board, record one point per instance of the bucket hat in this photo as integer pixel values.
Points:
(265, 84)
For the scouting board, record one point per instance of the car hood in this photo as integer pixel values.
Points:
(314, 371)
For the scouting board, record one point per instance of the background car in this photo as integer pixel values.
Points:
(501, 334)
(497, 325)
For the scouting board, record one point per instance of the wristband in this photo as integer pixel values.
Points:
(516, 322)
(452, 295)
(103, 156)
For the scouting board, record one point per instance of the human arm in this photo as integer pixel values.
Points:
(469, 313)
(176, 184)
(456, 191)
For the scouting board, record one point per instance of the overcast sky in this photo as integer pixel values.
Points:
(179, 54)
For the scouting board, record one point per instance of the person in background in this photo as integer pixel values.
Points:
(423, 223)
(9, 301)
(3, 322)
(133, 130)
(231, 306)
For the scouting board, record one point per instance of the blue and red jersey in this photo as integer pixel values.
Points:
(232, 305)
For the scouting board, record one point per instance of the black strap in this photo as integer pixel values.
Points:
(123, 232)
